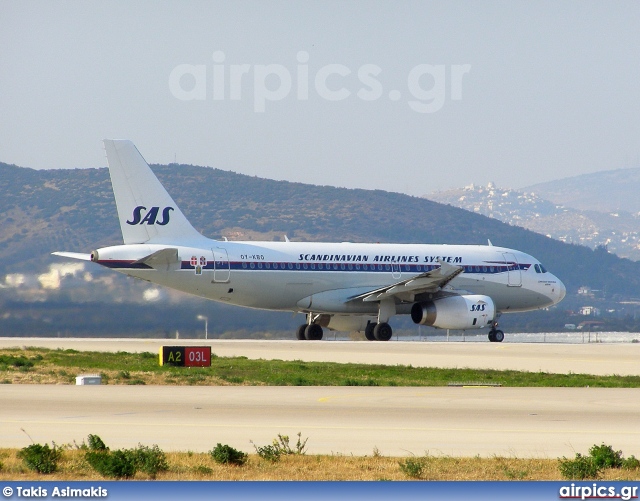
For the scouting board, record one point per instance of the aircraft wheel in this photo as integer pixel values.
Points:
(498, 336)
(368, 332)
(313, 332)
(383, 331)
(300, 332)
(492, 336)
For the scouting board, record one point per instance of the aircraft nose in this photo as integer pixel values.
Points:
(560, 290)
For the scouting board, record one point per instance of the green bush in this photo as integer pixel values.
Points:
(269, 453)
(282, 443)
(225, 454)
(202, 470)
(96, 443)
(580, 468)
(150, 460)
(40, 458)
(600, 457)
(126, 462)
(412, 467)
(280, 446)
(605, 457)
(16, 361)
(112, 464)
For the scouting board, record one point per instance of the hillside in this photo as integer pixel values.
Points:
(608, 191)
(619, 231)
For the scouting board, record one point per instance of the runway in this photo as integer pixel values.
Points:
(523, 422)
(529, 422)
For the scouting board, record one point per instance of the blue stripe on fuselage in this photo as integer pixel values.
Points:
(321, 267)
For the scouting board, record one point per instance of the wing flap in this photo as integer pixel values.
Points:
(430, 281)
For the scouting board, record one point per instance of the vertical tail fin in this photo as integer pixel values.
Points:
(146, 211)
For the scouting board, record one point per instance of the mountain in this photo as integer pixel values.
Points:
(73, 210)
(619, 231)
(607, 191)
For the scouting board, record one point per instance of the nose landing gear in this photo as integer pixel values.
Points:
(496, 335)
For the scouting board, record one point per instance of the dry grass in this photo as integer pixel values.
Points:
(47, 373)
(200, 466)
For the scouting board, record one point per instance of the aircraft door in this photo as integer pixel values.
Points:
(395, 270)
(222, 268)
(513, 270)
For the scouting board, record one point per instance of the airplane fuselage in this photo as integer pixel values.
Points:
(287, 275)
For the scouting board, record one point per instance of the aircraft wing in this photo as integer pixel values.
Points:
(430, 281)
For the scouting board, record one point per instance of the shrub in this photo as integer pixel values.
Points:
(150, 460)
(631, 463)
(125, 463)
(225, 454)
(412, 467)
(112, 464)
(280, 446)
(580, 468)
(269, 452)
(605, 457)
(96, 443)
(282, 443)
(40, 458)
(202, 470)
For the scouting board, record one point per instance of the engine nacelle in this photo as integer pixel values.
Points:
(455, 312)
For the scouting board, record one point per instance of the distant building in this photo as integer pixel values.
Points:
(590, 311)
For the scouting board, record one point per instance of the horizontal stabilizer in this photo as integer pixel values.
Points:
(73, 255)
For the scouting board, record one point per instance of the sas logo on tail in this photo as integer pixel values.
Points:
(151, 216)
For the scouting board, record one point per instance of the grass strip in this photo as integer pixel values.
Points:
(44, 366)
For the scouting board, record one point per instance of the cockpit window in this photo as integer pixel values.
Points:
(539, 268)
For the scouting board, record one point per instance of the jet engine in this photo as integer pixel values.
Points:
(455, 312)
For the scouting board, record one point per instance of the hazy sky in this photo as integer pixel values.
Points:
(402, 96)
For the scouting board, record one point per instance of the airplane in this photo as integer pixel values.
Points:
(340, 286)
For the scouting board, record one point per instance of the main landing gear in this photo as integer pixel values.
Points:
(309, 332)
(496, 335)
(378, 332)
(382, 331)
